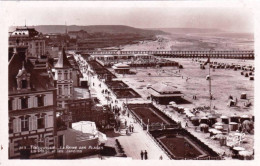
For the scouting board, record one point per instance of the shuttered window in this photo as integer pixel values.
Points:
(34, 123)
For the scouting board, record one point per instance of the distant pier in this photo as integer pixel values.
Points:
(245, 54)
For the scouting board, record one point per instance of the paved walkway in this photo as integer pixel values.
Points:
(139, 140)
(136, 141)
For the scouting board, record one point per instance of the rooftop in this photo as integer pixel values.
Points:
(63, 61)
(39, 79)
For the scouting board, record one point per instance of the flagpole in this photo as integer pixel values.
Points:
(210, 98)
(210, 95)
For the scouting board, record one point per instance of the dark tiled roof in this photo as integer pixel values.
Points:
(39, 79)
(63, 61)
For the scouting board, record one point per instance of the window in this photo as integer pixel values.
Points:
(66, 90)
(25, 123)
(11, 126)
(65, 76)
(24, 103)
(59, 76)
(40, 101)
(10, 104)
(24, 84)
(60, 90)
(40, 122)
(41, 142)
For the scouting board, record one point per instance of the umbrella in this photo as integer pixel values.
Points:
(219, 124)
(245, 153)
(195, 118)
(244, 116)
(215, 131)
(204, 117)
(238, 148)
(172, 103)
(203, 125)
(224, 117)
(219, 127)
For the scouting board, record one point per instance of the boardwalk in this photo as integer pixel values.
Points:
(249, 54)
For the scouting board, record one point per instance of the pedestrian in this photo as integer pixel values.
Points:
(128, 114)
(161, 157)
(145, 155)
(142, 155)
(186, 123)
(132, 128)
(125, 123)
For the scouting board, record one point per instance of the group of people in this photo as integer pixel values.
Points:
(194, 97)
(130, 129)
(144, 155)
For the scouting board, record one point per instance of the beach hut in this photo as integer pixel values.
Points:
(224, 119)
(242, 73)
(212, 120)
(243, 96)
(244, 117)
(204, 120)
(231, 103)
(235, 118)
(237, 149)
(204, 127)
(251, 78)
(207, 77)
(245, 155)
(246, 75)
(195, 121)
(222, 139)
(233, 126)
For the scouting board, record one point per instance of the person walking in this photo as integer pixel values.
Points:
(186, 124)
(142, 155)
(145, 155)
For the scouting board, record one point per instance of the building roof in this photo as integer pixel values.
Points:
(39, 79)
(63, 61)
(164, 89)
(24, 32)
(121, 66)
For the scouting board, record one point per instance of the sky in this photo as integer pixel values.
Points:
(236, 19)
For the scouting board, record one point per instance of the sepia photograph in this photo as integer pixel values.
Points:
(111, 80)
